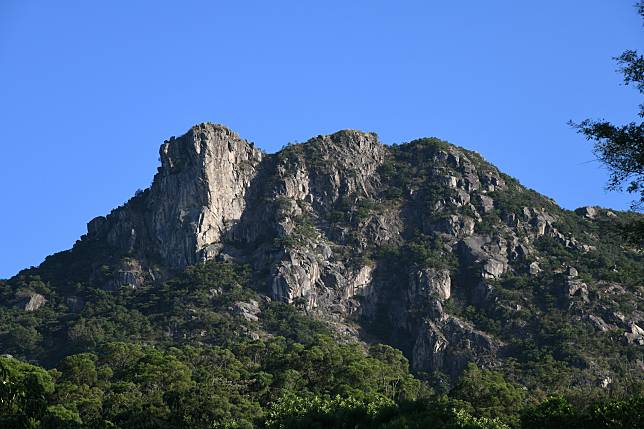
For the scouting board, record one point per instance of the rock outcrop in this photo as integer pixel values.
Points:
(197, 195)
(33, 302)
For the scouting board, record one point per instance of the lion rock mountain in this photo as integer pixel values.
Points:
(424, 246)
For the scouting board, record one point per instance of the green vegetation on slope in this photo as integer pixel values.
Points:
(177, 355)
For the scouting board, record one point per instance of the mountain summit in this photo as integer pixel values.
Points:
(424, 246)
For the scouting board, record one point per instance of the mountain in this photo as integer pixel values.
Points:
(422, 246)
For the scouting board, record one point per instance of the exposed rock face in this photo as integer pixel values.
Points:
(574, 287)
(128, 274)
(365, 235)
(311, 180)
(196, 196)
(32, 302)
(489, 255)
(588, 212)
(430, 282)
(248, 310)
(200, 191)
(449, 346)
(296, 277)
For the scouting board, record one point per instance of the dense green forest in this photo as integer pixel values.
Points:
(126, 372)
(277, 384)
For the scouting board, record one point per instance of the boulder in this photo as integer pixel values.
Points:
(445, 346)
(599, 323)
(248, 310)
(487, 203)
(588, 212)
(32, 302)
(576, 288)
(635, 336)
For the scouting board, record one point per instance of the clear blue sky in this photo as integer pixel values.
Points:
(89, 90)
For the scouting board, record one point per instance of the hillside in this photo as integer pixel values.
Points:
(314, 257)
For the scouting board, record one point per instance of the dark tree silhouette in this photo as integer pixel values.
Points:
(621, 147)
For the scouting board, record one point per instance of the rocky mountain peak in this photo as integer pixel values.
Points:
(199, 142)
(404, 240)
(197, 194)
(355, 139)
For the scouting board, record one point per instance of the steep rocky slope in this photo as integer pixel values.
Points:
(424, 246)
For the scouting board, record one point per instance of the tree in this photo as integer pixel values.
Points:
(621, 147)
(554, 413)
(488, 392)
(59, 417)
(24, 389)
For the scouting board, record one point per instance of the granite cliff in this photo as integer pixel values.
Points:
(323, 224)
(424, 246)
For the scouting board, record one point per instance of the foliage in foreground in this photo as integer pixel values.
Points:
(621, 147)
(129, 386)
(126, 385)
